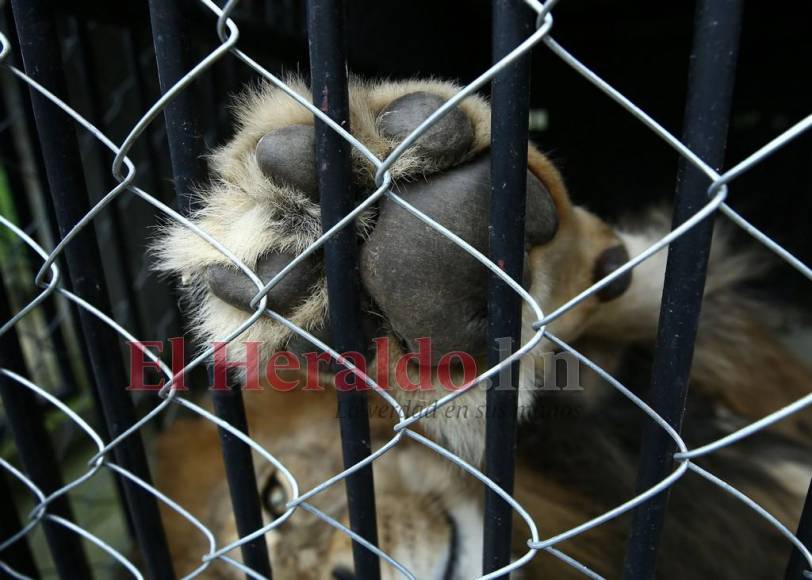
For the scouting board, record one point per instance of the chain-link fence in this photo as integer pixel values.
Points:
(71, 273)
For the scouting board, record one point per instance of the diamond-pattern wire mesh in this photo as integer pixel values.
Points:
(123, 169)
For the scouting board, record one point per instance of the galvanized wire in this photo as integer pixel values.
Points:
(123, 170)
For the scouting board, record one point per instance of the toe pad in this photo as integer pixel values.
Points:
(288, 156)
(447, 141)
(235, 288)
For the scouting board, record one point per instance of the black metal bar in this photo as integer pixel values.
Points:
(183, 128)
(797, 563)
(707, 112)
(10, 159)
(510, 106)
(25, 418)
(132, 52)
(328, 71)
(242, 481)
(131, 46)
(18, 555)
(88, 74)
(41, 56)
(186, 148)
(7, 17)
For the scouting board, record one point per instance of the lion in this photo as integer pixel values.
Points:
(417, 284)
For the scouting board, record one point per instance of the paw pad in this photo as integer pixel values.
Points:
(427, 285)
(416, 282)
(288, 156)
(232, 286)
(447, 140)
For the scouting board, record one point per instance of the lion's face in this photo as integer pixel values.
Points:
(429, 519)
(429, 513)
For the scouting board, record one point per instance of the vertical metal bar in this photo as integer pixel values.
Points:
(18, 555)
(41, 56)
(173, 44)
(510, 95)
(131, 48)
(88, 74)
(797, 563)
(186, 148)
(25, 418)
(242, 479)
(328, 70)
(10, 159)
(6, 17)
(707, 112)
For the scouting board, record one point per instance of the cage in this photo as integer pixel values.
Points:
(110, 111)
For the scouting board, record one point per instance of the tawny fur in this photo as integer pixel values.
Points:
(740, 373)
(739, 358)
(570, 470)
(251, 215)
(301, 429)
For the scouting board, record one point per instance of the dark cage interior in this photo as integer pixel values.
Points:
(612, 164)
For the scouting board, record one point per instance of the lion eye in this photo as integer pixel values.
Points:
(273, 496)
